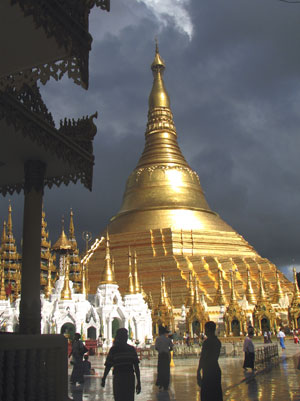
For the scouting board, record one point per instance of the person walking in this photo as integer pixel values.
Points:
(248, 349)
(123, 358)
(78, 350)
(281, 337)
(210, 380)
(163, 344)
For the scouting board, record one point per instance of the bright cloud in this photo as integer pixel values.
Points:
(174, 9)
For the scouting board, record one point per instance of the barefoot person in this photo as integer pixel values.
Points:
(123, 358)
(210, 381)
(163, 345)
(248, 349)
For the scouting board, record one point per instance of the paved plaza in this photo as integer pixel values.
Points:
(276, 382)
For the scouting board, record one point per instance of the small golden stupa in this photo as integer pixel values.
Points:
(166, 220)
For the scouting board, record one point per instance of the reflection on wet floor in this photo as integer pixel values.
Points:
(280, 382)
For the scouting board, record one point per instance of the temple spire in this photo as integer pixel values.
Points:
(220, 295)
(9, 221)
(62, 244)
(71, 228)
(296, 295)
(137, 287)
(278, 290)
(190, 297)
(130, 289)
(66, 291)
(2, 286)
(158, 96)
(196, 292)
(84, 290)
(262, 296)
(108, 276)
(251, 298)
(48, 287)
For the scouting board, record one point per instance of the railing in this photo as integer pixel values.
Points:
(266, 354)
(33, 367)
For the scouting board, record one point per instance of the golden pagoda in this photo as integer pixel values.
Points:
(75, 267)
(47, 265)
(11, 259)
(166, 218)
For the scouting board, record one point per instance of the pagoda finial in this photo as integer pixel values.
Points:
(83, 281)
(261, 294)
(233, 298)
(71, 228)
(130, 289)
(158, 96)
(62, 244)
(66, 291)
(296, 295)
(251, 298)
(278, 290)
(48, 288)
(190, 297)
(196, 292)
(162, 300)
(150, 301)
(165, 292)
(9, 220)
(2, 287)
(136, 277)
(220, 295)
(3, 238)
(108, 276)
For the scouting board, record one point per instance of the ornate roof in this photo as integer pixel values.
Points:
(29, 133)
(46, 39)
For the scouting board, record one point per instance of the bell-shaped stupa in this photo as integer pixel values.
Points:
(167, 221)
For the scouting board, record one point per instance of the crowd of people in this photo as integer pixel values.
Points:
(124, 361)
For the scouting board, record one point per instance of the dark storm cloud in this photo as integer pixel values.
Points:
(234, 92)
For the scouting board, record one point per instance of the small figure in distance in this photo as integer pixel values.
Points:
(281, 336)
(87, 367)
(163, 344)
(248, 349)
(78, 350)
(123, 358)
(210, 381)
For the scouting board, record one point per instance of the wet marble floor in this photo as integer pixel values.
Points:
(277, 382)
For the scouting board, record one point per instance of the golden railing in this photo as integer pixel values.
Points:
(33, 367)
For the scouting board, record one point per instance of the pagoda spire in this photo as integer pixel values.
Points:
(48, 287)
(84, 290)
(2, 287)
(165, 292)
(9, 221)
(137, 287)
(162, 299)
(3, 237)
(251, 298)
(62, 244)
(190, 297)
(130, 289)
(108, 276)
(220, 295)
(233, 298)
(278, 290)
(196, 292)
(71, 228)
(66, 291)
(262, 296)
(296, 295)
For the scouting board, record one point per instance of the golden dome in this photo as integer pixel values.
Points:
(163, 191)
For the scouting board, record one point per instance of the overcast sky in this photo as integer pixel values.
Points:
(232, 74)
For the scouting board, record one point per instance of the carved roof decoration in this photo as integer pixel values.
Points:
(64, 23)
(28, 131)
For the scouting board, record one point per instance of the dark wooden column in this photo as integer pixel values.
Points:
(30, 306)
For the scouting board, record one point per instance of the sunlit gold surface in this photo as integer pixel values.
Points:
(108, 275)
(165, 217)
